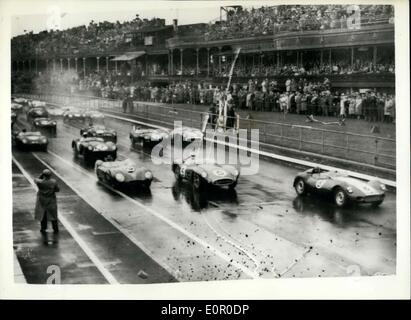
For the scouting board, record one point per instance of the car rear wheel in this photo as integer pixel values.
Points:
(177, 173)
(340, 197)
(147, 184)
(233, 185)
(300, 187)
(377, 203)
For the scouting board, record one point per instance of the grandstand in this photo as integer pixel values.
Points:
(321, 49)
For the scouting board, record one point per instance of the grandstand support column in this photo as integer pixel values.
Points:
(107, 63)
(36, 65)
(115, 66)
(301, 59)
(219, 59)
(278, 59)
(321, 56)
(172, 62)
(374, 56)
(208, 62)
(68, 63)
(298, 59)
(352, 57)
(61, 65)
(76, 64)
(329, 57)
(181, 60)
(197, 67)
(98, 64)
(84, 66)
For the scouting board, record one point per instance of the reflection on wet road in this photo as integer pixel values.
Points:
(260, 229)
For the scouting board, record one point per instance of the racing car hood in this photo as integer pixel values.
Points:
(96, 144)
(217, 172)
(365, 188)
(128, 169)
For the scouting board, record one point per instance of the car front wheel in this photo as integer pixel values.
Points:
(300, 187)
(197, 181)
(177, 173)
(340, 197)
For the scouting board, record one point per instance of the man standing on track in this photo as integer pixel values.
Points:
(46, 204)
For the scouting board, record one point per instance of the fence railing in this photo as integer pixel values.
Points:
(361, 148)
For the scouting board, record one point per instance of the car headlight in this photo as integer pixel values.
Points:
(119, 177)
(70, 116)
(90, 148)
(43, 140)
(148, 175)
(349, 189)
(204, 174)
(383, 187)
(54, 123)
(236, 173)
(24, 140)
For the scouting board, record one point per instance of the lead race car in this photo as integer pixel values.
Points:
(100, 132)
(32, 139)
(148, 136)
(205, 173)
(94, 148)
(343, 188)
(123, 173)
(45, 123)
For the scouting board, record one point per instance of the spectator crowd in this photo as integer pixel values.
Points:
(242, 22)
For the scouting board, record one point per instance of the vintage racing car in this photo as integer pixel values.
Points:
(26, 140)
(93, 148)
(93, 116)
(22, 101)
(16, 107)
(36, 103)
(74, 115)
(99, 131)
(148, 136)
(45, 123)
(37, 112)
(205, 172)
(124, 172)
(187, 134)
(343, 188)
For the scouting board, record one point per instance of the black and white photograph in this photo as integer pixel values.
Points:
(213, 149)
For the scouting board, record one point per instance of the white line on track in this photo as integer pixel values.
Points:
(172, 224)
(83, 245)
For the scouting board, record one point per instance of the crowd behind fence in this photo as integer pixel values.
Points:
(366, 149)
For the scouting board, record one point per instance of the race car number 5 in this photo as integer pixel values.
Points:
(319, 183)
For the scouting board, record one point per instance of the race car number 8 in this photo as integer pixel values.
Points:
(319, 183)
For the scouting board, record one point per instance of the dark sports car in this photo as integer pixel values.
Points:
(125, 172)
(206, 172)
(343, 188)
(148, 136)
(37, 112)
(26, 140)
(45, 123)
(94, 148)
(99, 131)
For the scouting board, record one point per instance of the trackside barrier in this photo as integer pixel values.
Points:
(376, 152)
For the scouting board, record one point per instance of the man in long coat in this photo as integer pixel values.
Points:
(46, 204)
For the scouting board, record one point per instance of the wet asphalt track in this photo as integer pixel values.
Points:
(260, 230)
